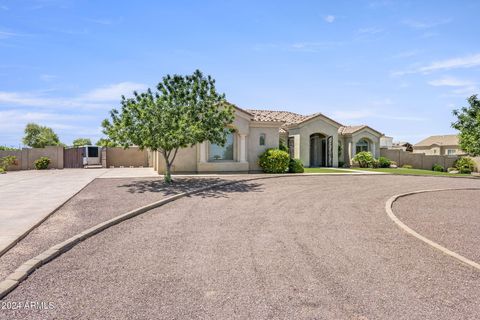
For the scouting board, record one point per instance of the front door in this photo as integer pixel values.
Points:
(317, 147)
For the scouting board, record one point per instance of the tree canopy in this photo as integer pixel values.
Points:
(104, 142)
(37, 136)
(183, 111)
(82, 142)
(468, 123)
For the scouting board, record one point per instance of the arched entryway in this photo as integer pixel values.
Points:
(320, 150)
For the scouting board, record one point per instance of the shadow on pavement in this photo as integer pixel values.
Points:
(181, 185)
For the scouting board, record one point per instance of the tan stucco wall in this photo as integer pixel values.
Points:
(418, 160)
(27, 156)
(254, 149)
(133, 156)
(185, 161)
(374, 141)
(309, 128)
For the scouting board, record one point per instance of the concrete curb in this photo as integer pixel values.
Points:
(404, 227)
(23, 235)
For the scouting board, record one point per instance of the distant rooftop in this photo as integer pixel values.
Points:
(441, 140)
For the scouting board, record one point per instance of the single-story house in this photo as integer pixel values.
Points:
(317, 140)
(439, 145)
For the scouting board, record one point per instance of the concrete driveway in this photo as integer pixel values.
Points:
(317, 247)
(29, 196)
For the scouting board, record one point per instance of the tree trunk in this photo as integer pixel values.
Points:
(167, 177)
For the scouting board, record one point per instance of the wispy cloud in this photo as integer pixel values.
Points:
(369, 113)
(425, 24)
(329, 18)
(6, 34)
(47, 77)
(94, 99)
(454, 63)
(369, 30)
(450, 82)
(3, 7)
(114, 92)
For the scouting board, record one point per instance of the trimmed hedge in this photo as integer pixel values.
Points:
(295, 166)
(41, 163)
(438, 168)
(274, 161)
(364, 159)
(384, 162)
(465, 165)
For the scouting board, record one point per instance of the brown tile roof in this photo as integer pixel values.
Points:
(441, 140)
(287, 117)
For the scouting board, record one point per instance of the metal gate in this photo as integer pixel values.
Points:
(73, 157)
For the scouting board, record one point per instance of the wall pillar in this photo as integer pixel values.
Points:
(203, 151)
(351, 152)
(243, 148)
(374, 150)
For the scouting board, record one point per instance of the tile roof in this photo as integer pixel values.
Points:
(441, 140)
(350, 129)
(287, 117)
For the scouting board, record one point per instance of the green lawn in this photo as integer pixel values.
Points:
(324, 170)
(413, 172)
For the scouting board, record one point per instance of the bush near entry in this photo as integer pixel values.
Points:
(364, 159)
(465, 165)
(407, 166)
(274, 161)
(295, 166)
(438, 168)
(384, 162)
(41, 163)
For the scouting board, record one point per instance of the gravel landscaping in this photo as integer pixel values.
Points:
(99, 201)
(301, 247)
(450, 218)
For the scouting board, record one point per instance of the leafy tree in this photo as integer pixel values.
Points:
(6, 148)
(37, 136)
(81, 142)
(103, 142)
(468, 123)
(183, 111)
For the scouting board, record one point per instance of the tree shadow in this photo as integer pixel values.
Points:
(181, 185)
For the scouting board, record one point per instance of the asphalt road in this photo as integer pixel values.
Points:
(303, 247)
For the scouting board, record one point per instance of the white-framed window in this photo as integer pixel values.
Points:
(221, 153)
(261, 139)
(451, 152)
(362, 145)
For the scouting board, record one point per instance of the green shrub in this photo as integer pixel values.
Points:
(407, 166)
(375, 163)
(274, 161)
(465, 165)
(42, 163)
(364, 159)
(282, 146)
(341, 164)
(438, 168)
(295, 166)
(2, 171)
(384, 162)
(7, 161)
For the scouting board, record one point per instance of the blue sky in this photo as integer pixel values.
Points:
(398, 66)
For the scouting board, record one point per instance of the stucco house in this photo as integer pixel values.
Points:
(439, 145)
(317, 140)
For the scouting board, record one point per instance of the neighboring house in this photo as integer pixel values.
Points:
(402, 145)
(316, 140)
(439, 145)
(386, 142)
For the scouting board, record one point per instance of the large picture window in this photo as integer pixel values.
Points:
(219, 153)
(362, 145)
